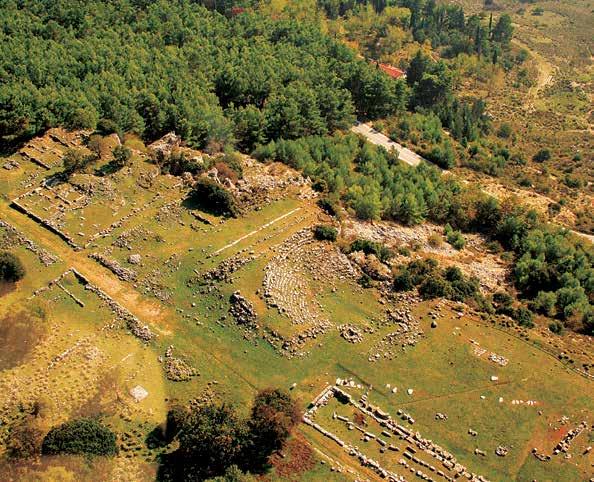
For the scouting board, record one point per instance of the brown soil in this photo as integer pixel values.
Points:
(19, 333)
(6, 288)
(299, 458)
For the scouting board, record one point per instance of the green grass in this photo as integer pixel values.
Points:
(442, 369)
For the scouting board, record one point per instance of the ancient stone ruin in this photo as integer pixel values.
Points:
(242, 310)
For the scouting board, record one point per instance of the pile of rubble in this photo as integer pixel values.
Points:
(407, 333)
(539, 456)
(293, 347)
(565, 443)
(46, 258)
(226, 268)
(501, 451)
(177, 369)
(264, 183)
(242, 310)
(350, 333)
(127, 238)
(500, 360)
(152, 284)
(166, 144)
(371, 266)
(122, 273)
(11, 164)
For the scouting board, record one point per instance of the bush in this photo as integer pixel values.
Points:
(75, 160)
(80, 437)
(214, 198)
(371, 247)
(325, 233)
(524, 317)
(455, 238)
(545, 303)
(25, 440)
(542, 155)
(435, 287)
(403, 281)
(11, 268)
(328, 206)
(365, 281)
(435, 240)
(556, 327)
(121, 156)
(505, 130)
(105, 127)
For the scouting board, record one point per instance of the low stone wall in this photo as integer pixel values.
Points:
(45, 257)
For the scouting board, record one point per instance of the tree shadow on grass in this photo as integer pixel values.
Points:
(193, 203)
(107, 169)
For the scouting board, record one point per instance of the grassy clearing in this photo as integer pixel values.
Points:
(95, 377)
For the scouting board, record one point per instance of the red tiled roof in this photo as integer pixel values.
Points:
(237, 11)
(392, 71)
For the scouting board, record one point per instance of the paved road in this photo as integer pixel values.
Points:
(375, 137)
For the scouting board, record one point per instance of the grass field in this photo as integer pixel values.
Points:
(76, 360)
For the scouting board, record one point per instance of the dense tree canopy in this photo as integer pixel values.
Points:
(80, 437)
(214, 440)
(154, 67)
(11, 267)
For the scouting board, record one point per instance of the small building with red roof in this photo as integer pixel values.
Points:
(393, 72)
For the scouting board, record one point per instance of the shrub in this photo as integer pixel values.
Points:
(435, 287)
(106, 127)
(213, 197)
(545, 303)
(78, 437)
(11, 268)
(572, 182)
(365, 281)
(75, 160)
(83, 119)
(325, 233)
(455, 238)
(382, 252)
(524, 317)
(542, 155)
(556, 327)
(505, 130)
(328, 206)
(434, 240)
(403, 281)
(121, 156)
(25, 440)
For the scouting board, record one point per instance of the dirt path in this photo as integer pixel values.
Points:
(546, 72)
(146, 310)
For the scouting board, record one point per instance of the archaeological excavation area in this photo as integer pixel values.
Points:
(135, 298)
